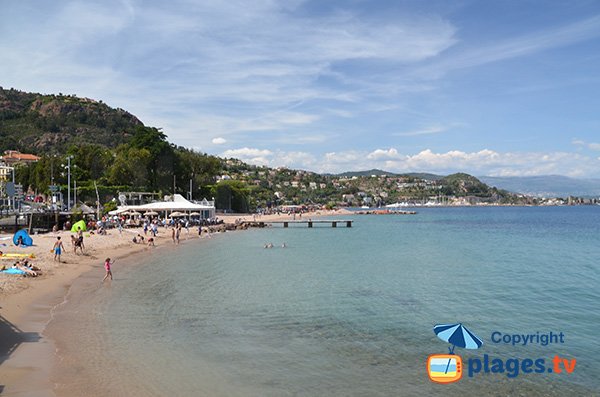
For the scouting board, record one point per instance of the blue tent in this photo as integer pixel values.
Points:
(25, 238)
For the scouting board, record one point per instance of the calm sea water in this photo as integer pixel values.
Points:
(345, 311)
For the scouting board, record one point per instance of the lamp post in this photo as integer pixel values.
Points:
(69, 182)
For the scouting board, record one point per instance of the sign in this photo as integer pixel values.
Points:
(54, 188)
(19, 191)
(10, 189)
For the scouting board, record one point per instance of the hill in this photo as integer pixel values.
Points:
(374, 171)
(462, 184)
(378, 172)
(40, 124)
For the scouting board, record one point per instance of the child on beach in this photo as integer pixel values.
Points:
(58, 247)
(107, 265)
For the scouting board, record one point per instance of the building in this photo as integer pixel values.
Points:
(13, 157)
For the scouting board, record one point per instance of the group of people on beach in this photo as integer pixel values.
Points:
(28, 268)
(139, 239)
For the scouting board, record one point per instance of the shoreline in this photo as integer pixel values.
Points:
(27, 354)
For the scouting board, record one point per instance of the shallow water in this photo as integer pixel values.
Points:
(341, 312)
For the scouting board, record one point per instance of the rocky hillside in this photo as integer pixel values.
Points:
(50, 123)
(462, 184)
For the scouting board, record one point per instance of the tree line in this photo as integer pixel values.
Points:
(146, 163)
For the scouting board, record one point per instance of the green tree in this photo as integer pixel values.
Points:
(162, 156)
(231, 196)
(130, 167)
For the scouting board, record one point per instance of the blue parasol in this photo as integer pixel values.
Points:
(458, 335)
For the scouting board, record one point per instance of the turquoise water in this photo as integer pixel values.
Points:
(350, 311)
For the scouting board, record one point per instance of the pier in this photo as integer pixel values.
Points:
(310, 223)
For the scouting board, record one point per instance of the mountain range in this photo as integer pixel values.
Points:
(546, 185)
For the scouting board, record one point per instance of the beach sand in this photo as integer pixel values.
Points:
(27, 355)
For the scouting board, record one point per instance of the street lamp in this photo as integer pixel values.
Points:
(69, 182)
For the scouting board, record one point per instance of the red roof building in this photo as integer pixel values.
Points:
(12, 157)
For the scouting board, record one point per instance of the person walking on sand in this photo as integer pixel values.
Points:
(173, 233)
(107, 265)
(178, 233)
(58, 247)
(80, 238)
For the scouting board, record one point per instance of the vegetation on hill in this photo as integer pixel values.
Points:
(41, 124)
(467, 185)
(113, 150)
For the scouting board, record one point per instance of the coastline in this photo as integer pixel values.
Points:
(27, 354)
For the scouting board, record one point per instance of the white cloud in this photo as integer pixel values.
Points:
(590, 145)
(219, 141)
(594, 146)
(382, 154)
(519, 46)
(482, 162)
(247, 152)
(424, 131)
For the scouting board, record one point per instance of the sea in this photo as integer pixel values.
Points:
(345, 311)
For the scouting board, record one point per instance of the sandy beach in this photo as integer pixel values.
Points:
(27, 303)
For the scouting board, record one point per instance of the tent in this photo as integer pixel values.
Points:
(78, 225)
(25, 238)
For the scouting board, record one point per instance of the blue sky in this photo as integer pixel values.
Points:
(504, 88)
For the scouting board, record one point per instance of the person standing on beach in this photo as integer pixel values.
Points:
(58, 247)
(178, 233)
(107, 265)
(173, 233)
(80, 238)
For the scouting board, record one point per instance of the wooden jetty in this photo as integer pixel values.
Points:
(310, 223)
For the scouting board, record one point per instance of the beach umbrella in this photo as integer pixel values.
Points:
(176, 214)
(134, 213)
(195, 214)
(457, 335)
(150, 213)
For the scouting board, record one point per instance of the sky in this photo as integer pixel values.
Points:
(498, 88)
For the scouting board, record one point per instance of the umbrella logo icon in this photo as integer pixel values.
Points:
(447, 368)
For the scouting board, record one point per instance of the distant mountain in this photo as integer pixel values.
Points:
(546, 186)
(40, 124)
(378, 172)
(350, 174)
(425, 175)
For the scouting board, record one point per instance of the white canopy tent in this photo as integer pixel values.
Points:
(179, 204)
